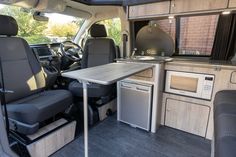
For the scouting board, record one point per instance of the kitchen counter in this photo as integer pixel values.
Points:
(196, 62)
(157, 60)
(202, 63)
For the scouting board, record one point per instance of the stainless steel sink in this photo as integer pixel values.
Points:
(151, 58)
(143, 58)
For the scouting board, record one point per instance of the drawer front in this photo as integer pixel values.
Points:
(147, 75)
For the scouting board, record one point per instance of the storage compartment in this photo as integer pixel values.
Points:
(147, 10)
(232, 3)
(134, 104)
(187, 116)
(181, 6)
(50, 142)
(147, 75)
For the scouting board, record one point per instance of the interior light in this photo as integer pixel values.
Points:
(226, 12)
(171, 17)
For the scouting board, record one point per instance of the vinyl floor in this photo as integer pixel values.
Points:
(111, 138)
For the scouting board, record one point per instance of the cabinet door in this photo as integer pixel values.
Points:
(148, 10)
(181, 6)
(189, 117)
(232, 3)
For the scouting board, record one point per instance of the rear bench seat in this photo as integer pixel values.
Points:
(225, 123)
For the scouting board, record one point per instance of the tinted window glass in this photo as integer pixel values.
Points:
(197, 34)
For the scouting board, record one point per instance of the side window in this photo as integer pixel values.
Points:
(197, 34)
(113, 27)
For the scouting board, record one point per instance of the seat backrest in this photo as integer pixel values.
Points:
(98, 49)
(22, 72)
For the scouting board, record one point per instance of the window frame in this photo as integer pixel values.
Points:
(177, 36)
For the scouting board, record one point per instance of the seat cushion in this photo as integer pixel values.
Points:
(225, 135)
(94, 90)
(225, 102)
(224, 123)
(225, 97)
(39, 107)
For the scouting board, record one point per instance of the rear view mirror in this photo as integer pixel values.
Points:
(39, 16)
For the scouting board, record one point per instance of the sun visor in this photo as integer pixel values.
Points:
(21, 3)
(77, 13)
(51, 6)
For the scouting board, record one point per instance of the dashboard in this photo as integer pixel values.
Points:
(50, 57)
(42, 51)
(52, 61)
(45, 50)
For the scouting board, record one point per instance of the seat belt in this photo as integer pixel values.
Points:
(124, 40)
(3, 98)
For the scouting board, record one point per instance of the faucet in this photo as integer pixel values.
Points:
(133, 53)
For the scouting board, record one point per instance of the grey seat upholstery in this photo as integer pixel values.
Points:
(30, 104)
(98, 50)
(225, 123)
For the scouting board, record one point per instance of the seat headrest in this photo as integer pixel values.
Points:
(98, 30)
(8, 26)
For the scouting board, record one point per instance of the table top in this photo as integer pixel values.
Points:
(108, 73)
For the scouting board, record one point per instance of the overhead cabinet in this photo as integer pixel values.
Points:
(178, 7)
(183, 6)
(149, 10)
(232, 3)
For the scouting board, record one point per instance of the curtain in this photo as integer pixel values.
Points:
(224, 46)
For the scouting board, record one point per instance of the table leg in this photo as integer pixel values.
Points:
(85, 96)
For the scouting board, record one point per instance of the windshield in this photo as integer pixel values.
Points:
(59, 28)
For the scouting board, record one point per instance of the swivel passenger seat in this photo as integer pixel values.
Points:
(98, 50)
(30, 104)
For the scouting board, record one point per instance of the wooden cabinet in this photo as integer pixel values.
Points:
(232, 3)
(149, 10)
(225, 79)
(187, 116)
(182, 6)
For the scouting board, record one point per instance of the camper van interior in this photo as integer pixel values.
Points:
(118, 78)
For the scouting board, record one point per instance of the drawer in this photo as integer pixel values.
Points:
(147, 75)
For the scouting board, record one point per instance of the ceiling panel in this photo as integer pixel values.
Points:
(117, 2)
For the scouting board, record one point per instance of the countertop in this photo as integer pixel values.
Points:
(196, 62)
(156, 61)
(108, 73)
(202, 63)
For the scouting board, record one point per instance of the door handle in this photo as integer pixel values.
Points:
(126, 86)
(141, 89)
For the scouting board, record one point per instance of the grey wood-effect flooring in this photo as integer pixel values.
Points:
(115, 139)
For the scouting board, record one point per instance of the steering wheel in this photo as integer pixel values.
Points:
(71, 50)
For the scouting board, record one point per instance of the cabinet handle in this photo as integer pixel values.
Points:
(140, 89)
(126, 86)
(217, 68)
